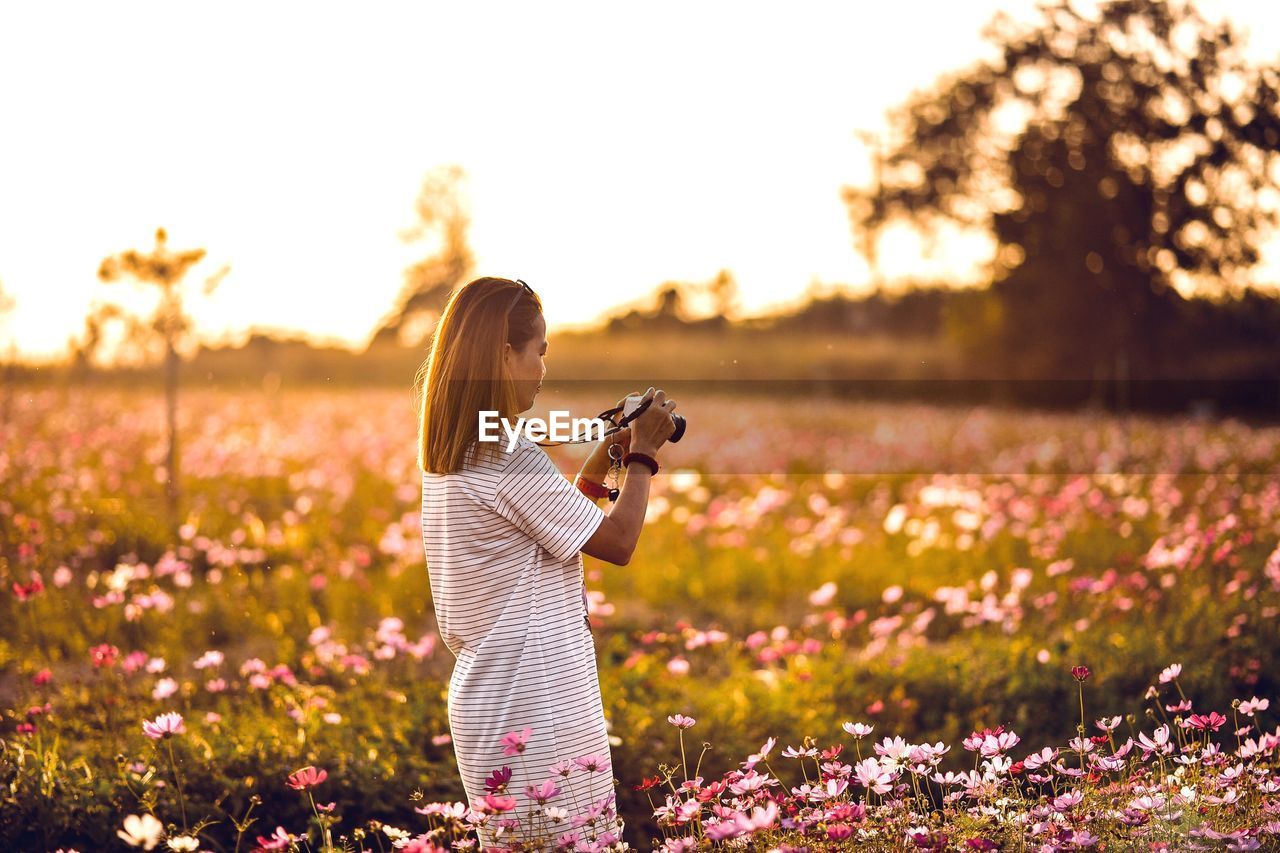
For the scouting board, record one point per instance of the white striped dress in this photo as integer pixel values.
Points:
(502, 539)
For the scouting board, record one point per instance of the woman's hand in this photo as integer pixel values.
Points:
(654, 425)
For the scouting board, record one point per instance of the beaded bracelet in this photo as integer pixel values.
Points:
(595, 491)
(642, 458)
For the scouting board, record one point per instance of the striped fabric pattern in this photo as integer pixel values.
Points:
(502, 539)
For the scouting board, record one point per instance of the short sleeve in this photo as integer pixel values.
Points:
(534, 496)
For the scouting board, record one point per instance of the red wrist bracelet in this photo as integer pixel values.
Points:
(644, 458)
(595, 491)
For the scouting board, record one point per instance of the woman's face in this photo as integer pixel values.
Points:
(526, 366)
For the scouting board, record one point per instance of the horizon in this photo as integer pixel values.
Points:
(285, 151)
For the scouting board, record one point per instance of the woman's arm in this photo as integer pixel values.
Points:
(615, 539)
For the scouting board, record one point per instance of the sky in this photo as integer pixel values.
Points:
(606, 151)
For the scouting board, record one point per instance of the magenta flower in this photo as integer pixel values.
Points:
(680, 721)
(497, 780)
(165, 725)
(1079, 673)
(1206, 722)
(278, 840)
(514, 742)
(104, 655)
(307, 777)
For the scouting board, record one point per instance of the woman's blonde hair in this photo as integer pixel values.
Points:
(465, 374)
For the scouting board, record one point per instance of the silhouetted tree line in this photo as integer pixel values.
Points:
(672, 313)
(919, 312)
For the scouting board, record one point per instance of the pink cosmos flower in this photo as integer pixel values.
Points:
(894, 748)
(134, 661)
(307, 777)
(822, 596)
(992, 742)
(1170, 672)
(680, 721)
(870, 774)
(542, 793)
(278, 840)
(211, 658)
(499, 803)
(27, 591)
(104, 655)
(1205, 722)
(164, 688)
(1067, 801)
(561, 768)
(165, 725)
(593, 763)
(1080, 673)
(838, 831)
(514, 742)
(1158, 742)
(756, 757)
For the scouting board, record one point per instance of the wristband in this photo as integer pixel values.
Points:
(643, 458)
(595, 491)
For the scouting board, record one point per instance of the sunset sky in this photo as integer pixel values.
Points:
(607, 149)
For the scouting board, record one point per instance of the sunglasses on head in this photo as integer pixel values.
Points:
(524, 289)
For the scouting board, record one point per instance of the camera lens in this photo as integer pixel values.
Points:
(680, 424)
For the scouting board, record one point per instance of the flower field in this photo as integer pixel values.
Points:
(848, 625)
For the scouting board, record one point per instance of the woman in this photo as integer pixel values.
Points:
(503, 531)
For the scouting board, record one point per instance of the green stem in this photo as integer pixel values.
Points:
(1080, 685)
(243, 825)
(177, 782)
(324, 827)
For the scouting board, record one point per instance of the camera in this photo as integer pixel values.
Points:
(635, 404)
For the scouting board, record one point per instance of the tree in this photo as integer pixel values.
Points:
(169, 323)
(1116, 159)
(443, 221)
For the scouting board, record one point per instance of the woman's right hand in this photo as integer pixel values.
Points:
(654, 425)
